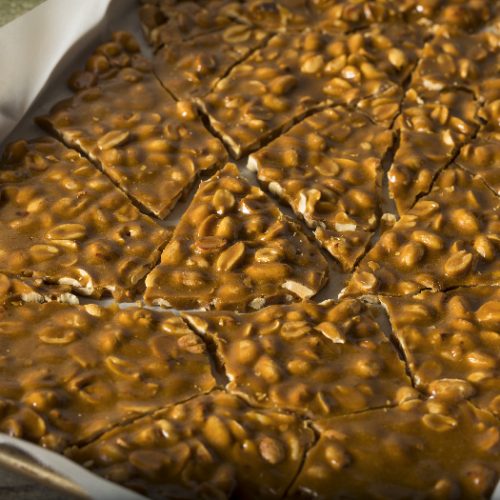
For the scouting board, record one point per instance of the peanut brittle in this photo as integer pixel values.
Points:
(482, 155)
(62, 221)
(295, 74)
(348, 15)
(193, 67)
(417, 450)
(327, 169)
(167, 20)
(276, 15)
(451, 342)
(86, 368)
(213, 446)
(234, 249)
(121, 117)
(451, 237)
(432, 131)
(464, 14)
(457, 59)
(164, 21)
(319, 360)
(14, 290)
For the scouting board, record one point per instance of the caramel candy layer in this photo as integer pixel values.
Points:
(167, 20)
(213, 446)
(432, 129)
(348, 15)
(62, 221)
(276, 15)
(452, 342)
(84, 369)
(121, 117)
(464, 14)
(482, 155)
(449, 238)
(192, 68)
(234, 249)
(295, 74)
(327, 169)
(418, 450)
(457, 59)
(164, 21)
(319, 360)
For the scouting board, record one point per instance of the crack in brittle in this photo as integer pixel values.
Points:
(131, 420)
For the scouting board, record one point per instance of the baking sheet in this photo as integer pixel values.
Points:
(47, 44)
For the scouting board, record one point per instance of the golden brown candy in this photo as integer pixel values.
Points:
(319, 360)
(121, 117)
(83, 369)
(432, 127)
(452, 342)
(449, 238)
(192, 68)
(213, 446)
(167, 20)
(294, 74)
(327, 169)
(62, 221)
(234, 249)
(418, 450)
(454, 59)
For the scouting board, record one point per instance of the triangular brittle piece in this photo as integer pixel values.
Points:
(451, 342)
(63, 221)
(294, 74)
(191, 68)
(327, 169)
(151, 146)
(84, 369)
(432, 129)
(211, 447)
(319, 360)
(234, 249)
(420, 449)
(451, 237)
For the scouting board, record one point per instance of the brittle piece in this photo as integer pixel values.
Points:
(234, 249)
(13, 290)
(451, 342)
(85, 368)
(432, 131)
(482, 155)
(327, 169)
(347, 15)
(122, 117)
(167, 20)
(451, 237)
(213, 446)
(464, 14)
(295, 74)
(62, 221)
(319, 360)
(418, 450)
(276, 15)
(457, 59)
(193, 67)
